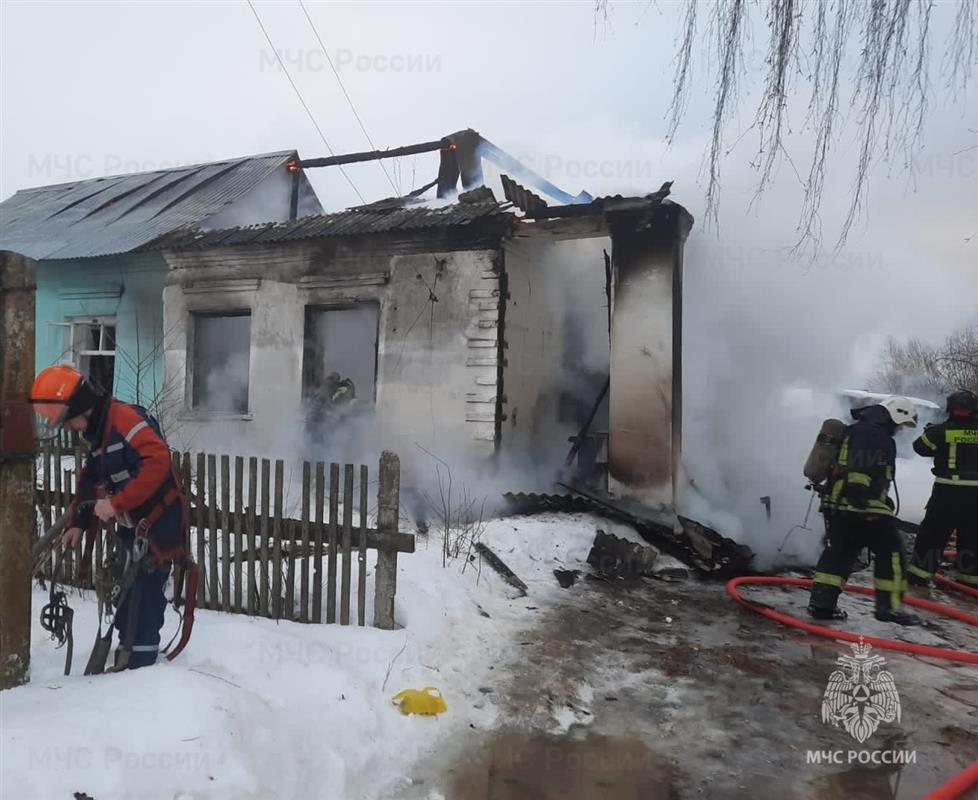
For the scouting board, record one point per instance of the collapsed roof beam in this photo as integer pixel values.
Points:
(461, 157)
(374, 155)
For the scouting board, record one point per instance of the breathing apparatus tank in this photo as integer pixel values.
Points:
(825, 452)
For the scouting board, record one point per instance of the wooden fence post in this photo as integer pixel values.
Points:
(334, 503)
(266, 524)
(362, 551)
(317, 585)
(238, 528)
(277, 533)
(251, 587)
(304, 547)
(225, 604)
(388, 503)
(211, 500)
(201, 528)
(346, 568)
(17, 519)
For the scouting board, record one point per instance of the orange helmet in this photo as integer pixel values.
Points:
(60, 393)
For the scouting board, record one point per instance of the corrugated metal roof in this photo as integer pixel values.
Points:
(117, 214)
(355, 222)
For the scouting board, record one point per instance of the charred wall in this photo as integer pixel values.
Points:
(646, 354)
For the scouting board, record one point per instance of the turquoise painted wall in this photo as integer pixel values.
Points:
(128, 287)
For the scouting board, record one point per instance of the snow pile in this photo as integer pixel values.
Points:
(257, 709)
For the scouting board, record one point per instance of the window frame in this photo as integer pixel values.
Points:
(347, 305)
(192, 411)
(72, 353)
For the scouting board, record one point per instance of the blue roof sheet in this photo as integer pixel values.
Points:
(118, 214)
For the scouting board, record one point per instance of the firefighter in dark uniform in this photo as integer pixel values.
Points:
(953, 504)
(330, 401)
(127, 476)
(340, 392)
(859, 513)
(326, 406)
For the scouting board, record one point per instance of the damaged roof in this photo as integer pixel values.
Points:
(354, 222)
(118, 214)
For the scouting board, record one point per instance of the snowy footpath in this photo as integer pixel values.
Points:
(259, 709)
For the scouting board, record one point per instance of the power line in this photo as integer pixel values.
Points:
(346, 94)
(299, 95)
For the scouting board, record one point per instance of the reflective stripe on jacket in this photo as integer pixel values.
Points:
(866, 468)
(953, 445)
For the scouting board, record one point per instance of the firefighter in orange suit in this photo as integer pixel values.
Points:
(126, 476)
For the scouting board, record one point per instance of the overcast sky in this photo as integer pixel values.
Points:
(90, 89)
(102, 88)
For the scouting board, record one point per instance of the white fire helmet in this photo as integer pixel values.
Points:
(901, 411)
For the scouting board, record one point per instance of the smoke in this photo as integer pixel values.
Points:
(270, 201)
(221, 363)
(770, 340)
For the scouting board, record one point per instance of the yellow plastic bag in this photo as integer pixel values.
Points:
(427, 701)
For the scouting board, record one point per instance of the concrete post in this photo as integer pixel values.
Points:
(388, 505)
(645, 397)
(17, 451)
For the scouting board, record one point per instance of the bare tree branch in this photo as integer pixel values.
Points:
(730, 18)
(922, 369)
(683, 76)
(891, 91)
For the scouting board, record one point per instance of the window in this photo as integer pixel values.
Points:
(89, 343)
(221, 362)
(344, 341)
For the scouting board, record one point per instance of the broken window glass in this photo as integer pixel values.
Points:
(221, 362)
(91, 347)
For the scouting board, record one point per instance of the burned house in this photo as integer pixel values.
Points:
(465, 325)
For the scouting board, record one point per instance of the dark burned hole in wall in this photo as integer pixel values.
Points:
(221, 362)
(341, 339)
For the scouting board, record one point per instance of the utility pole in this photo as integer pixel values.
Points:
(17, 453)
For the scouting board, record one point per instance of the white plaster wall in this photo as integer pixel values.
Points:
(275, 356)
(436, 360)
(532, 336)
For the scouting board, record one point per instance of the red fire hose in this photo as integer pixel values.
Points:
(957, 786)
(961, 782)
(834, 633)
(947, 583)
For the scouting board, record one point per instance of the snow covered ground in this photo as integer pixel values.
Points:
(258, 709)
(670, 671)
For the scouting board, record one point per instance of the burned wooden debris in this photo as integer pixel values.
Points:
(500, 567)
(696, 545)
(613, 556)
(567, 577)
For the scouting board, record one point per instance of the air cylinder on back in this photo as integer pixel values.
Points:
(825, 452)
